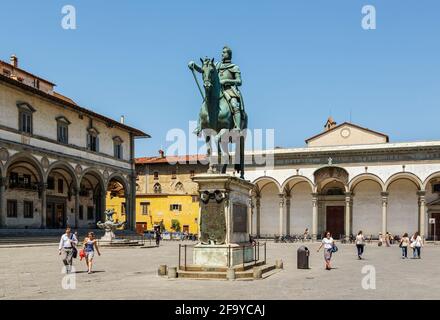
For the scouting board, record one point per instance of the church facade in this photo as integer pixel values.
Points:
(348, 178)
(59, 161)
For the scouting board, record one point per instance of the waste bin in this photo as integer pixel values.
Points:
(303, 257)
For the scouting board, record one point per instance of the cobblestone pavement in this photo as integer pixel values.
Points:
(35, 273)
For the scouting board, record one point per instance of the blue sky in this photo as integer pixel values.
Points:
(300, 61)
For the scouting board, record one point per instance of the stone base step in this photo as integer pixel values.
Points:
(222, 275)
(237, 268)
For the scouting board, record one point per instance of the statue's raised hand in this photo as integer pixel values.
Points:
(191, 65)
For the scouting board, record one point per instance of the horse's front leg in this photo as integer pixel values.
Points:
(209, 153)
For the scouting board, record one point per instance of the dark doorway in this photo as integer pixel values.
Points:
(335, 221)
(55, 215)
(435, 232)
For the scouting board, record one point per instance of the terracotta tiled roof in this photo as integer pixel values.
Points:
(28, 73)
(173, 159)
(59, 95)
(73, 106)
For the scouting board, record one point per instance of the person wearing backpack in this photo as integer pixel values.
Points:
(67, 248)
(329, 247)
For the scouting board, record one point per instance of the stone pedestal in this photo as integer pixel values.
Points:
(223, 221)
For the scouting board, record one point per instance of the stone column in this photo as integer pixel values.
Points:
(281, 225)
(348, 196)
(43, 205)
(250, 206)
(77, 203)
(422, 212)
(2, 202)
(258, 219)
(384, 212)
(288, 217)
(314, 215)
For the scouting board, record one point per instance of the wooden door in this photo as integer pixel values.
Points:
(60, 216)
(335, 217)
(141, 227)
(50, 215)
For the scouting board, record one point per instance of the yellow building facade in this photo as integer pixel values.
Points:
(165, 194)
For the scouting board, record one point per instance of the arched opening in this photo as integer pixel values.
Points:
(23, 194)
(117, 199)
(61, 188)
(91, 198)
(432, 197)
(299, 205)
(266, 219)
(402, 210)
(332, 207)
(367, 207)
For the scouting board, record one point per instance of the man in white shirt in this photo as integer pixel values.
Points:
(68, 243)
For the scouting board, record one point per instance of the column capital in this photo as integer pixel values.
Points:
(257, 201)
(315, 195)
(421, 193)
(281, 197)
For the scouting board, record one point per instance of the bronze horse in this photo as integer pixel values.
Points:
(216, 122)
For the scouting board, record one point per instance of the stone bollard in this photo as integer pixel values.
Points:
(172, 272)
(258, 273)
(279, 264)
(162, 271)
(230, 274)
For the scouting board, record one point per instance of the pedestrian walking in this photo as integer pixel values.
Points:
(306, 234)
(329, 247)
(388, 239)
(158, 235)
(416, 245)
(360, 244)
(404, 243)
(90, 244)
(67, 248)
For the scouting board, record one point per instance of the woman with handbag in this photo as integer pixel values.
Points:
(329, 247)
(416, 245)
(360, 244)
(404, 243)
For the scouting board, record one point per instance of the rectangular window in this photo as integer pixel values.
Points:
(173, 174)
(25, 122)
(123, 208)
(50, 183)
(63, 133)
(175, 207)
(117, 150)
(192, 173)
(27, 181)
(92, 143)
(144, 208)
(90, 213)
(81, 212)
(60, 186)
(156, 175)
(28, 209)
(11, 208)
